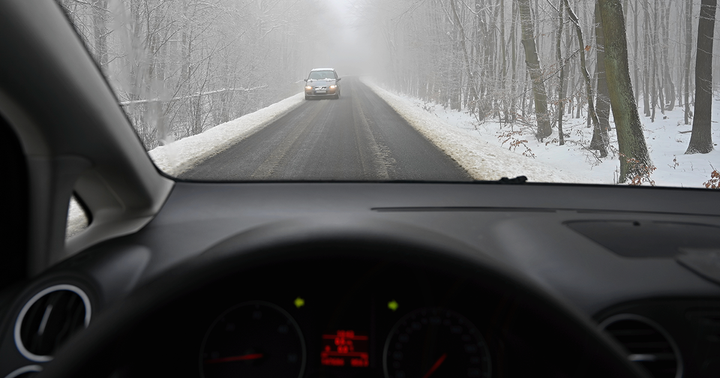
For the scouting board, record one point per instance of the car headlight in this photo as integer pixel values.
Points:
(307, 88)
(333, 86)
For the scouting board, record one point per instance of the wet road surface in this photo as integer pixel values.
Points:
(355, 138)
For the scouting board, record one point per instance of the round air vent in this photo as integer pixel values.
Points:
(646, 343)
(25, 372)
(48, 319)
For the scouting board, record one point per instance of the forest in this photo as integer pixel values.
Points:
(180, 67)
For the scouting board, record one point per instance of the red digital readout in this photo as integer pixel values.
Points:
(345, 348)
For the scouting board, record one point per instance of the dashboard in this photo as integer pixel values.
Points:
(310, 280)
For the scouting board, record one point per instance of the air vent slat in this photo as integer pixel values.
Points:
(646, 343)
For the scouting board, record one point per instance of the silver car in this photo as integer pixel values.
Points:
(322, 82)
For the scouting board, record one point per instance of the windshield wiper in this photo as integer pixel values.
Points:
(514, 180)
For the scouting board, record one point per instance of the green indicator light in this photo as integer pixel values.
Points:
(299, 302)
(393, 305)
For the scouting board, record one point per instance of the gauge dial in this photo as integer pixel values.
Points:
(253, 339)
(434, 342)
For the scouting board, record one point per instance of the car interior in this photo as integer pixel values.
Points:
(322, 279)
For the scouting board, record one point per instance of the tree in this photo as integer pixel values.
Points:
(561, 82)
(597, 142)
(602, 105)
(701, 138)
(535, 70)
(688, 57)
(634, 158)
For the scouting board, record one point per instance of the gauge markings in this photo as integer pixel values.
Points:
(253, 356)
(417, 339)
(253, 339)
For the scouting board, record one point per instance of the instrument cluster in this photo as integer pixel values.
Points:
(366, 319)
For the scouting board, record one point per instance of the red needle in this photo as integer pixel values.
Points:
(246, 357)
(435, 366)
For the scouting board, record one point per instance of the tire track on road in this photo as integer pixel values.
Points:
(267, 167)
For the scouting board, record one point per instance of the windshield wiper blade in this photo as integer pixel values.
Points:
(514, 180)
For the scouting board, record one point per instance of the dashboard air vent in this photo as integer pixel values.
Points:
(646, 343)
(48, 319)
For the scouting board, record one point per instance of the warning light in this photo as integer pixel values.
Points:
(299, 302)
(393, 305)
(345, 348)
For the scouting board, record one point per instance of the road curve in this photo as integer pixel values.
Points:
(356, 138)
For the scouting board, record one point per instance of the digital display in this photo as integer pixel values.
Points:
(345, 348)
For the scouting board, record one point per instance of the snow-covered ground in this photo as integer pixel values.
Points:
(179, 156)
(489, 151)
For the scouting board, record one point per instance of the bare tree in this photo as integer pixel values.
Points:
(701, 139)
(561, 82)
(634, 158)
(535, 70)
(688, 57)
(602, 104)
(597, 143)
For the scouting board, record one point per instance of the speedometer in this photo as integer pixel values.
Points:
(435, 342)
(253, 339)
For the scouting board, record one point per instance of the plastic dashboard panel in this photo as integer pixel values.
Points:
(520, 227)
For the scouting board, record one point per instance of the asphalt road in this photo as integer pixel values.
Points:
(356, 138)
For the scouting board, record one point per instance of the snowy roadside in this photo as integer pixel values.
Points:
(180, 156)
(486, 151)
(481, 159)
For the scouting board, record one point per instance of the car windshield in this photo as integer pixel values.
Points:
(319, 75)
(559, 91)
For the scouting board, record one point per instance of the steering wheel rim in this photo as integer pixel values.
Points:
(87, 354)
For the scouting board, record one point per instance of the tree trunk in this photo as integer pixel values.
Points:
(636, 52)
(535, 70)
(101, 32)
(597, 142)
(646, 63)
(634, 158)
(701, 139)
(669, 85)
(561, 83)
(688, 57)
(603, 97)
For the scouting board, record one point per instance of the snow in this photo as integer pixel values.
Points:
(484, 148)
(180, 156)
(482, 159)
(77, 221)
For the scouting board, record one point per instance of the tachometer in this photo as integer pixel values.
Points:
(435, 342)
(253, 339)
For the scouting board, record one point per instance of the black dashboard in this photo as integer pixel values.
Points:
(353, 316)
(391, 280)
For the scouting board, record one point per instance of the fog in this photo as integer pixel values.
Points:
(179, 67)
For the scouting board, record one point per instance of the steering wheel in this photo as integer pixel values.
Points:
(89, 354)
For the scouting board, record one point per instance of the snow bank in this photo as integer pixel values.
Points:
(484, 147)
(179, 156)
(482, 160)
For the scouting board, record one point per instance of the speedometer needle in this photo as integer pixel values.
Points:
(435, 365)
(245, 357)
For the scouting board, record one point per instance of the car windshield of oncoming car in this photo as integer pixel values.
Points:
(445, 90)
(320, 75)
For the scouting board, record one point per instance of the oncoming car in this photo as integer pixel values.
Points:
(322, 82)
